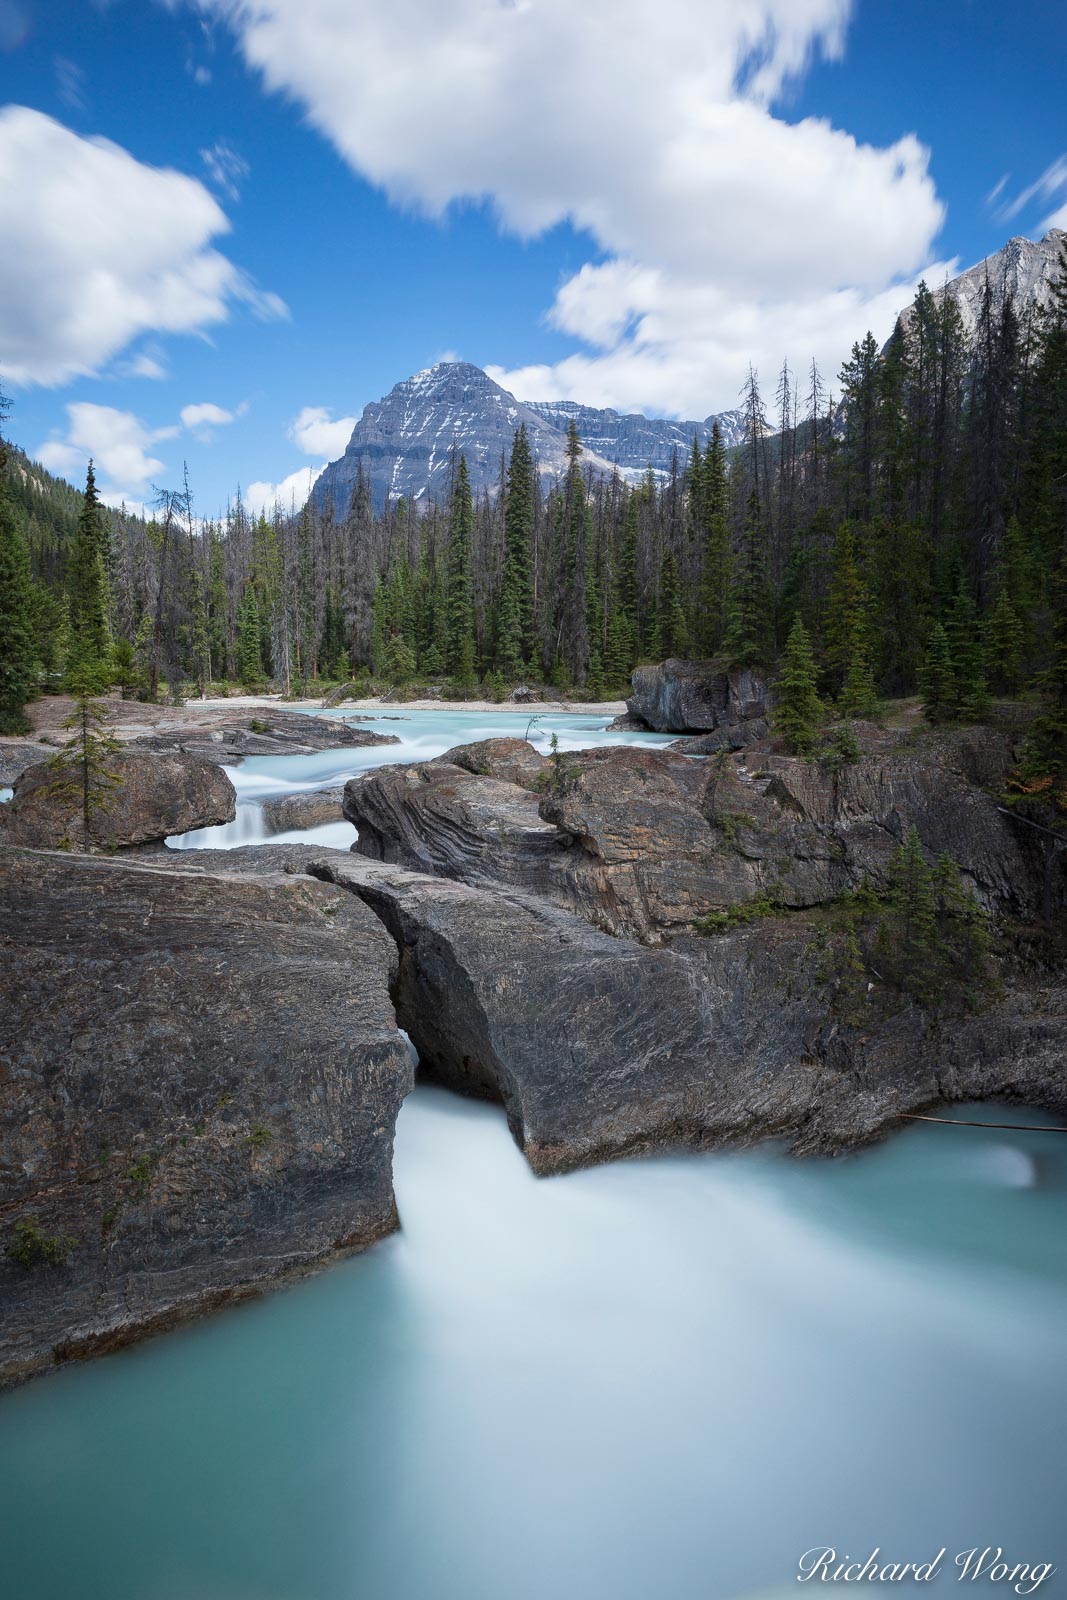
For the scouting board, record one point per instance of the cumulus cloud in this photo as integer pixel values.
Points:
(206, 413)
(98, 249)
(117, 442)
(653, 129)
(291, 492)
(318, 434)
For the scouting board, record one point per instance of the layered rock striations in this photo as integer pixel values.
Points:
(199, 1079)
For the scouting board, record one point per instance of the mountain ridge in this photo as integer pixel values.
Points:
(404, 441)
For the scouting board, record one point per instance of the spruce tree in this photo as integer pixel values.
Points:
(575, 535)
(671, 633)
(90, 631)
(749, 637)
(515, 616)
(937, 680)
(249, 640)
(84, 769)
(717, 565)
(798, 711)
(459, 613)
(972, 701)
(629, 583)
(18, 613)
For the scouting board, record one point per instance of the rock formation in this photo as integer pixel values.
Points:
(643, 842)
(702, 697)
(143, 797)
(312, 808)
(600, 1047)
(200, 1078)
(227, 737)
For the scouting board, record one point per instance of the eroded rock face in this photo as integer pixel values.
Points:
(701, 697)
(152, 797)
(227, 736)
(199, 1079)
(643, 842)
(598, 1046)
(437, 817)
(514, 760)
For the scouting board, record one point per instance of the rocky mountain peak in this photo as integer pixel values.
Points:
(405, 441)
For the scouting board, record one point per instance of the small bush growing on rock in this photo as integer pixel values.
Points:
(30, 1246)
(763, 904)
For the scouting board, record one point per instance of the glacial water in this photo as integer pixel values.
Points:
(657, 1380)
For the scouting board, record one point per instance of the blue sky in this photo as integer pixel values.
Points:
(621, 203)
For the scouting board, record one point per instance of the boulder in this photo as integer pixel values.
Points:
(437, 817)
(599, 1047)
(699, 697)
(311, 808)
(150, 797)
(514, 760)
(226, 736)
(199, 1082)
(16, 758)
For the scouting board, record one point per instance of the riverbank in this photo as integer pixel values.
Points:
(591, 708)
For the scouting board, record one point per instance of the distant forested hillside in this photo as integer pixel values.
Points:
(911, 514)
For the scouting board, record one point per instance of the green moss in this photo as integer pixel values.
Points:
(30, 1246)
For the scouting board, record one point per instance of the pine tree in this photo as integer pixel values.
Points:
(909, 936)
(84, 769)
(1007, 642)
(575, 552)
(717, 564)
(18, 617)
(515, 618)
(749, 637)
(249, 640)
(459, 619)
(671, 633)
(972, 701)
(937, 680)
(629, 587)
(398, 664)
(90, 631)
(799, 710)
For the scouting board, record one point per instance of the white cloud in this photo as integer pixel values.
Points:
(205, 413)
(317, 434)
(144, 366)
(291, 492)
(98, 249)
(1052, 181)
(70, 81)
(226, 168)
(118, 444)
(656, 133)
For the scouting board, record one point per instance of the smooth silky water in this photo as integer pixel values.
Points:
(661, 1378)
